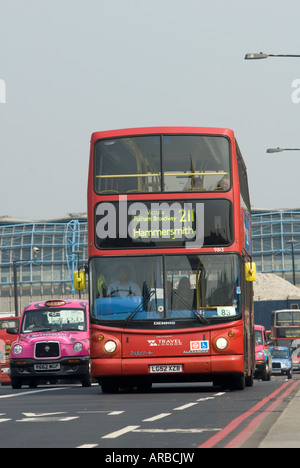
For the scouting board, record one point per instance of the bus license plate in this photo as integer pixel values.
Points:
(46, 367)
(166, 369)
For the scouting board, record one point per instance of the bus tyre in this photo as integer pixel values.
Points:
(109, 386)
(238, 383)
(249, 380)
(16, 383)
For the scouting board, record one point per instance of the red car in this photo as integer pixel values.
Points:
(6, 341)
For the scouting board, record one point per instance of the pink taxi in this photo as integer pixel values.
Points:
(52, 344)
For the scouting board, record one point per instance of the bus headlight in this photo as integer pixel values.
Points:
(110, 346)
(17, 349)
(221, 343)
(78, 347)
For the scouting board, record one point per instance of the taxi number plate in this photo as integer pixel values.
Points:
(45, 367)
(166, 368)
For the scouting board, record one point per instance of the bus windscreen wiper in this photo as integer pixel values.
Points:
(140, 307)
(197, 313)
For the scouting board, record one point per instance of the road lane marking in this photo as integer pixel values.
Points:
(87, 446)
(158, 416)
(109, 413)
(48, 419)
(12, 395)
(125, 430)
(238, 441)
(227, 430)
(179, 430)
(188, 405)
(207, 398)
(40, 415)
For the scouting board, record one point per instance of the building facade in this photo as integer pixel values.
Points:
(37, 259)
(276, 242)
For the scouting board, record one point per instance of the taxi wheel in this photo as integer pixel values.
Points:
(266, 376)
(16, 383)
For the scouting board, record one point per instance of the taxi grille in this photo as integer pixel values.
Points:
(44, 350)
(276, 365)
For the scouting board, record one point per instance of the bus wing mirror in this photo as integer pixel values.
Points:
(79, 280)
(250, 271)
(12, 331)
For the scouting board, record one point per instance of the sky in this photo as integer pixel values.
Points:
(72, 67)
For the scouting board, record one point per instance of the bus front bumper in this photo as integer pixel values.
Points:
(202, 367)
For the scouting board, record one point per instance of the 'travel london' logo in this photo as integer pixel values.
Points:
(151, 221)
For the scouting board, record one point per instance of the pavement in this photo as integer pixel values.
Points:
(285, 433)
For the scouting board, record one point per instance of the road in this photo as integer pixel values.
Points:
(169, 417)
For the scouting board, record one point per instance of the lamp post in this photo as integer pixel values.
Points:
(293, 242)
(261, 55)
(35, 251)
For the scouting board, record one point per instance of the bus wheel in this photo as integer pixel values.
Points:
(249, 381)
(109, 386)
(144, 387)
(16, 383)
(238, 383)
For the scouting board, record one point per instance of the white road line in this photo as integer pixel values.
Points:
(207, 398)
(41, 415)
(181, 408)
(114, 435)
(158, 416)
(48, 419)
(2, 420)
(109, 413)
(179, 431)
(12, 395)
(220, 394)
(87, 446)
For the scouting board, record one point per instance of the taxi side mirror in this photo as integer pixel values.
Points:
(79, 280)
(250, 271)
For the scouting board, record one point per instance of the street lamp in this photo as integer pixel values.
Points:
(261, 55)
(293, 242)
(35, 251)
(279, 150)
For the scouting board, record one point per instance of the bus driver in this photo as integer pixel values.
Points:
(123, 287)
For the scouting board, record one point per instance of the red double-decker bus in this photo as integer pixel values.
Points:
(170, 268)
(285, 327)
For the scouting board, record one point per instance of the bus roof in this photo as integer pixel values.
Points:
(158, 130)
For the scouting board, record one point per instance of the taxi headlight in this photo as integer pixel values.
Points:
(17, 349)
(78, 347)
(221, 343)
(110, 346)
